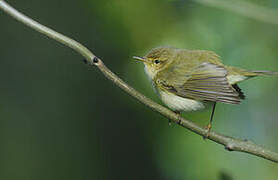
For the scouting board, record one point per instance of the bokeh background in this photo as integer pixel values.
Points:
(60, 119)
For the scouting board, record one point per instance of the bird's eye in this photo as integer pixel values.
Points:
(156, 61)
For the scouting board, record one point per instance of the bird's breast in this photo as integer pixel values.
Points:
(178, 103)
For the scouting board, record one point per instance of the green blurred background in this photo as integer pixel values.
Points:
(60, 119)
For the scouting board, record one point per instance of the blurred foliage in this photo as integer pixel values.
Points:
(60, 119)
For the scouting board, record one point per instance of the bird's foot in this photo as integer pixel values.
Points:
(179, 114)
(208, 128)
(179, 121)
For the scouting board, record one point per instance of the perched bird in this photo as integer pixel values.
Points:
(187, 80)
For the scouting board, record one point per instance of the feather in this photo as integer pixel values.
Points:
(207, 82)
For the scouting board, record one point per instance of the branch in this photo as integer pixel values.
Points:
(244, 8)
(230, 143)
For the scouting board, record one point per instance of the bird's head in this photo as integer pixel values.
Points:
(156, 59)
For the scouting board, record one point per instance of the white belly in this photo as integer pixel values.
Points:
(177, 103)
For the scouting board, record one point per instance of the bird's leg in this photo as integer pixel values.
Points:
(209, 126)
(178, 113)
(169, 120)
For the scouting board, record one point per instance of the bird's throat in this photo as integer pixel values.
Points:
(150, 73)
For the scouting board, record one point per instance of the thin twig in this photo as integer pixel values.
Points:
(230, 143)
(244, 8)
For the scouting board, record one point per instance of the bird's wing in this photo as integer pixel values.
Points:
(207, 82)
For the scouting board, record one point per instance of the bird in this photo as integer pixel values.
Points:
(190, 80)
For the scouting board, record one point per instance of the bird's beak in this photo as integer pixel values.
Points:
(140, 58)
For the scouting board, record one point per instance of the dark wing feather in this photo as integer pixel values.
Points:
(207, 82)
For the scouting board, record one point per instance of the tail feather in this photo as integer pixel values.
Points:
(238, 71)
(262, 73)
(237, 74)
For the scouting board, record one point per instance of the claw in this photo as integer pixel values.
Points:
(170, 121)
(178, 113)
(208, 128)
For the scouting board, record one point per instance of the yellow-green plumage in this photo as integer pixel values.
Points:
(187, 79)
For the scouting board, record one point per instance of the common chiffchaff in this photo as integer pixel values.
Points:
(187, 80)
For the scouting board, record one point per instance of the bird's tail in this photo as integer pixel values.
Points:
(261, 73)
(237, 75)
(248, 73)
